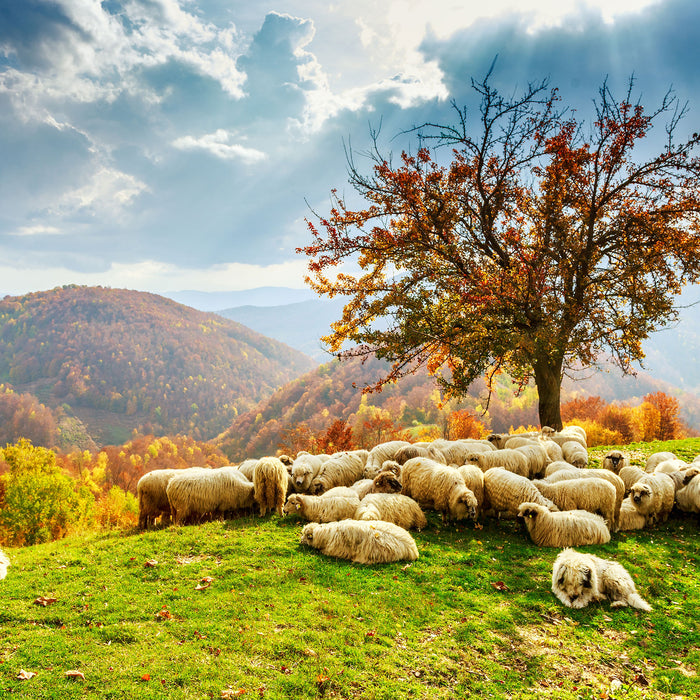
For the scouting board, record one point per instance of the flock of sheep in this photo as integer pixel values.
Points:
(361, 504)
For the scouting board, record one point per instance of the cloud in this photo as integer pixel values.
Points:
(36, 230)
(218, 145)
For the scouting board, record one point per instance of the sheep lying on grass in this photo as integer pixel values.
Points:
(4, 563)
(505, 491)
(593, 495)
(439, 487)
(629, 518)
(322, 509)
(393, 508)
(304, 469)
(384, 482)
(567, 528)
(364, 542)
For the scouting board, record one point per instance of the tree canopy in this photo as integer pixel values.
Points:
(542, 243)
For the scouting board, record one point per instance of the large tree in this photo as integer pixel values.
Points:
(543, 242)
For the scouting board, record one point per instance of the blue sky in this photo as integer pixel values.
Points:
(163, 145)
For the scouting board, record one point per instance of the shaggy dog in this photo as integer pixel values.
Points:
(4, 563)
(579, 579)
(364, 542)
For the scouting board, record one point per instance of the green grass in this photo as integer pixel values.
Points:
(279, 620)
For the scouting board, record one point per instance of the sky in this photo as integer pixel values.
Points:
(165, 145)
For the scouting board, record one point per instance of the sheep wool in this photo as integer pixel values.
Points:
(474, 480)
(656, 458)
(653, 497)
(439, 487)
(304, 468)
(567, 528)
(512, 460)
(321, 509)
(363, 542)
(247, 468)
(4, 563)
(393, 508)
(605, 474)
(505, 491)
(407, 452)
(270, 485)
(630, 475)
(575, 453)
(593, 495)
(629, 518)
(152, 497)
(688, 498)
(342, 469)
(614, 461)
(380, 454)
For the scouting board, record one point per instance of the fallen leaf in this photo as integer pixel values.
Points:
(150, 563)
(286, 670)
(310, 652)
(164, 614)
(146, 677)
(75, 674)
(500, 586)
(321, 679)
(202, 586)
(407, 567)
(25, 675)
(371, 633)
(44, 601)
(231, 693)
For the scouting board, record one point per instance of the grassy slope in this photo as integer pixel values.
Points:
(280, 621)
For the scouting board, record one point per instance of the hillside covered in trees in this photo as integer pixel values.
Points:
(122, 360)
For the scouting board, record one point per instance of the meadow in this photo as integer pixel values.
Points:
(240, 608)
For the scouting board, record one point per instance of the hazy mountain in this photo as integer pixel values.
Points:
(261, 296)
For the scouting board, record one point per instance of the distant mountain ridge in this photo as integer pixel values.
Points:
(145, 360)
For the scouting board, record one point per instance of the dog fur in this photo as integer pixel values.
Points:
(579, 579)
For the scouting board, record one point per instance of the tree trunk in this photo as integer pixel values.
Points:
(548, 380)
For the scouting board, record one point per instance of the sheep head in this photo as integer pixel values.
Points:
(307, 534)
(529, 511)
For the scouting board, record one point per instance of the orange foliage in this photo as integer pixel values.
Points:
(464, 424)
(670, 425)
(585, 408)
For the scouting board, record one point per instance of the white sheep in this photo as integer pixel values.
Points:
(614, 460)
(342, 469)
(455, 451)
(499, 440)
(629, 517)
(304, 468)
(537, 458)
(407, 452)
(656, 458)
(270, 485)
(474, 480)
(688, 498)
(4, 563)
(566, 528)
(557, 466)
(364, 542)
(392, 507)
(380, 454)
(321, 509)
(653, 497)
(344, 491)
(512, 460)
(574, 453)
(437, 486)
(384, 482)
(193, 496)
(247, 468)
(504, 491)
(593, 495)
(630, 475)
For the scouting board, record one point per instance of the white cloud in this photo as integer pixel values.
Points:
(157, 277)
(218, 145)
(36, 230)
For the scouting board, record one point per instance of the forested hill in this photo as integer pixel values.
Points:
(144, 359)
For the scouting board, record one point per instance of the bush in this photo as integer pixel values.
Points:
(118, 509)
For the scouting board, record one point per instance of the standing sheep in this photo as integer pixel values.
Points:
(653, 497)
(605, 474)
(593, 495)
(688, 498)
(505, 491)
(380, 454)
(567, 528)
(512, 460)
(656, 458)
(247, 468)
(575, 453)
(393, 508)
(364, 542)
(407, 452)
(630, 475)
(342, 469)
(436, 486)
(304, 468)
(614, 461)
(474, 480)
(270, 485)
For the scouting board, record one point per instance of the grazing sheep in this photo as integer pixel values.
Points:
(247, 468)
(364, 542)
(208, 492)
(537, 458)
(654, 459)
(304, 469)
(504, 491)
(380, 454)
(474, 480)
(4, 563)
(392, 507)
(270, 485)
(342, 469)
(567, 528)
(322, 509)
(630, 475)
(579, 579)
(629, 518)
(407, 452)
(614, 461)
(152, 495)
(553, 450)
(512, 460)
(653, 497)
(455, 451)
(575, 453)
(688, 498)
(593, 495)
(434, 485)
